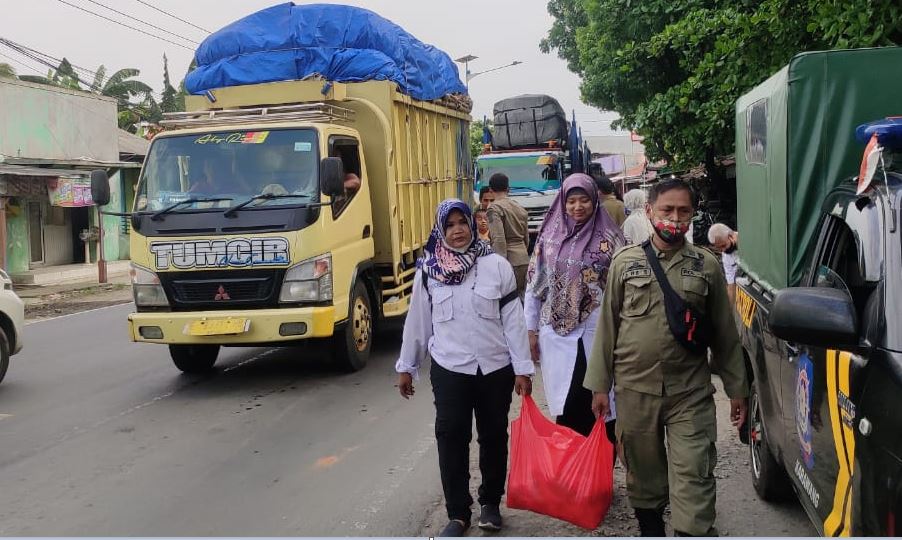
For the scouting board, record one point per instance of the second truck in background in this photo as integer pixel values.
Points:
(536, 147)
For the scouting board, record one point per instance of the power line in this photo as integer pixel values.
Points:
(43, 58)
(23, 64)
(133, 18)
(125, 25)
(173, 16)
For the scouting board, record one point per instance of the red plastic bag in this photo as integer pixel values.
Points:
(557, 472)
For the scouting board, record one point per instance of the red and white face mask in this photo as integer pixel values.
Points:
(671, 232)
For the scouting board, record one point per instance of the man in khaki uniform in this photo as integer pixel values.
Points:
(662, 389)
(609, 201)
(509, 229)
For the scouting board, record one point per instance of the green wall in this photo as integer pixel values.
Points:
(17, 238)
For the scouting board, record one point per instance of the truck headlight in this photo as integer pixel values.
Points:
(146, 288)
(308, 281)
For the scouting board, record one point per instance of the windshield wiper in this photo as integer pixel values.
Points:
(263, 197)
(529, 189)
(158, 215)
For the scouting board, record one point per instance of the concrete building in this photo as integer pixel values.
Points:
(50, 140)
(617, 153)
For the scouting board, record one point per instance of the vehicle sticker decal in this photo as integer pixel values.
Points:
(745, 306)
(807, 484)
(804, 376)
(234, 252)
(839, 520)
(250, 137)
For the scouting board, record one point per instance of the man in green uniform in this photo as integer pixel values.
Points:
(662, 390)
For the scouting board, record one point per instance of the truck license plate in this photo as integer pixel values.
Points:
(217, 327)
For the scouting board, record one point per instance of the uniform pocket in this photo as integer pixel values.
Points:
(442, 310)
(486, 302)
(696, 291)
(636, 297)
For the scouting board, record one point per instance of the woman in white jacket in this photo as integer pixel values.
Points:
(465, 313)
(567, 277)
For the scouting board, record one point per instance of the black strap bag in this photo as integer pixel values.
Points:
(686, 324)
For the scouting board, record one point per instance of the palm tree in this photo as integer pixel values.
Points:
(135, 98)
(121, 85)
(7, 71)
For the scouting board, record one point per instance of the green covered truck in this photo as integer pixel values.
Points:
(819, 289)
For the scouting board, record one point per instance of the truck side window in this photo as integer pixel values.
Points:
(839, 264)
(347, 149)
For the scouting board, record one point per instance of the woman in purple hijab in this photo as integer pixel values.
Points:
(566, 281)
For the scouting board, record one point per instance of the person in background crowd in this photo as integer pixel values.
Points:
(664, 391)
(482, 224)
(566, 284)
(480, 353)
(509, 229)
(486, 197)
(726, 241)
(637, 228)
(609, 201)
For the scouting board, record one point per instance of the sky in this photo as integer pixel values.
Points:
(497, 31)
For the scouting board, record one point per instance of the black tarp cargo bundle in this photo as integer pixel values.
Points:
(530, 120)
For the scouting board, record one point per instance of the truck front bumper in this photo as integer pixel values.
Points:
(262, 326)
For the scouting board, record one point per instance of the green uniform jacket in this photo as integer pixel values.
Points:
(615, 209)
(634, 347)
(509, 230)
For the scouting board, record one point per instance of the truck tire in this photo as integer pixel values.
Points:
(351, 345)
(768, 476)
(4, 354)
(194, 358)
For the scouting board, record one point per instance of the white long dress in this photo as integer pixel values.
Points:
(558, 353)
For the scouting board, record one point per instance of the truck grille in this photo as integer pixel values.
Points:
(535, 217)
(222, 290)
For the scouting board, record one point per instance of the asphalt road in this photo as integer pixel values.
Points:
(103, 437)
(100, 436)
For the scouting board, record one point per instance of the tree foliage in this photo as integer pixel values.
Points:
(171, 101)
(673, 69)
(7, 71)
(476, 144)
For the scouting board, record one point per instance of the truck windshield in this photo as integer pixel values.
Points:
(223, 167)
(531, 172)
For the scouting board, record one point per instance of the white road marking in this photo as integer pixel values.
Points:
(36, 321)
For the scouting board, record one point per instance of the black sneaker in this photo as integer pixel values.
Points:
(455, 527)
(490, 518)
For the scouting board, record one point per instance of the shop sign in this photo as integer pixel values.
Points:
(70, 192)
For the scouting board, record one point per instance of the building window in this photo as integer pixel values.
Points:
(756, 133)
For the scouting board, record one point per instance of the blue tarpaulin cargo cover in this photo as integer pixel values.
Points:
(340, 43)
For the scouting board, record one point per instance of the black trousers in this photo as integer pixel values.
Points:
(578, 414)
(457, 397)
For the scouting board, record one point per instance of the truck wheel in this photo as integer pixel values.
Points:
(351, 345)
(4, 354)
(194, 358)
(768, 476)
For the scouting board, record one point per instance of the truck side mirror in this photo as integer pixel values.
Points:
(100, 187)
(332, 176)
(815, 316)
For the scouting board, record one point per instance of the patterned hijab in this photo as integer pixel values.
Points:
(568, 257)
(444, 263)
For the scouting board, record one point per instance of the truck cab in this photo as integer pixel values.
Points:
(535, 178)
(288, 211)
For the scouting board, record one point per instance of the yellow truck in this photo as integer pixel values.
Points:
(286, 211)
